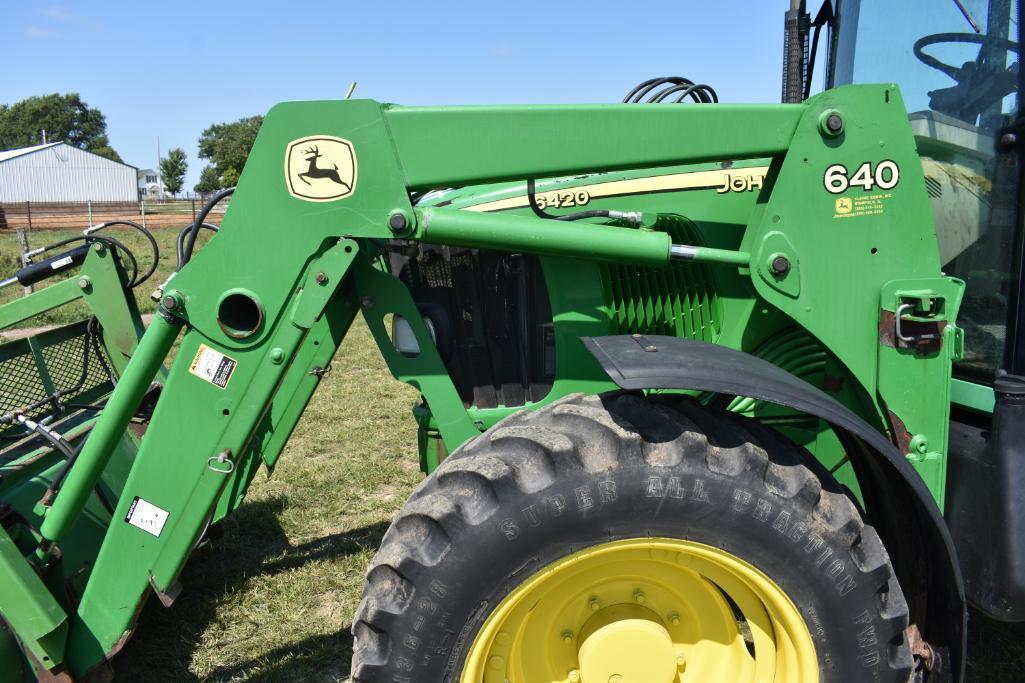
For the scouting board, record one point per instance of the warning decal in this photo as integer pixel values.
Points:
(146, 516)
(213, 366)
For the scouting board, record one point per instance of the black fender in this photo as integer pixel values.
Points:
(897, 501)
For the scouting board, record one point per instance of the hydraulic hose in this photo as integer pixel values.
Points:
(183, 233)
(200, 219)
(146, 233)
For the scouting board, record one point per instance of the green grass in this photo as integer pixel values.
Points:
(273, 597)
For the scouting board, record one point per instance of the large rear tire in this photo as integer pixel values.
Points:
(630, 540)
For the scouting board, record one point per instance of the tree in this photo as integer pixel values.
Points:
(227, 146)
(209, 180)
(63, 117)
(172, 170)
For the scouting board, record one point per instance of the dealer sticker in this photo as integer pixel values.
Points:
(146, 516)
(213, 366)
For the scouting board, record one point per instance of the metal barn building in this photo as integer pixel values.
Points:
(58, 172)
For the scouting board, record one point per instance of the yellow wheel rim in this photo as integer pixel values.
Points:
(653, 610)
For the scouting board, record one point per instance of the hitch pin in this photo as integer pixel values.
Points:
(222, 462)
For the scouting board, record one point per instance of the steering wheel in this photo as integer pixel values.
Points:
(955, 72)
(980, 83)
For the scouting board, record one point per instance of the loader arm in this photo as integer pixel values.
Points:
(260, 311)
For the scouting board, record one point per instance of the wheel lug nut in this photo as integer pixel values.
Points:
(595, 605)
(640, 597)
(674, 619)
(496, 662)
(680, 659)
(574, 676)
(567, 636)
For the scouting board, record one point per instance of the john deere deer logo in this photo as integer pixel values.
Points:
(320, 168)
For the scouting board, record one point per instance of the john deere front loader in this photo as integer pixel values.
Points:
(711, 392)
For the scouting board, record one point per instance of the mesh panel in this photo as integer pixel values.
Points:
(22, 384)
(678, 300)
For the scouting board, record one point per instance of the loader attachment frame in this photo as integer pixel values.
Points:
(260, 311)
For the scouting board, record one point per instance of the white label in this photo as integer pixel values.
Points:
(146, 516)
(213, 366)
(60, 263)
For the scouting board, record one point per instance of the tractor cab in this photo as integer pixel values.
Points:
(958, 66)
(957, 63)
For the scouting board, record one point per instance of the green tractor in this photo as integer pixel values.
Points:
(711, 392)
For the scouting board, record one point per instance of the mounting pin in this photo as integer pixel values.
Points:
(398, 222)
(831, 123)
(780, 265)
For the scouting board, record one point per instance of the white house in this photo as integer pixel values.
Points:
(151, 185)
(58, 172)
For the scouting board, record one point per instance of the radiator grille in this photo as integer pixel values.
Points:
(679, 299)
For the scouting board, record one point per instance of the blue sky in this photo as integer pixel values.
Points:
(170, 69)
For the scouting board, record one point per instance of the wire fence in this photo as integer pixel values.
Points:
(77, 215)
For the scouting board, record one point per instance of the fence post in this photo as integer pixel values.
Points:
(28, 212)
(193, 210)
(22, 234)
(142, 209)
(89, 202)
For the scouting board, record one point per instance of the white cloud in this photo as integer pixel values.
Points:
(40, 33)
(58, 14)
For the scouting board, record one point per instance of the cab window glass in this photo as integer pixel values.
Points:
(957, 67)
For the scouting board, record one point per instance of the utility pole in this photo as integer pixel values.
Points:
(160, 182)
(44, 136)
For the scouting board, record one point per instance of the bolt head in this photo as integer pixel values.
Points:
(680, 659)
(574, 676)
(567, 636)
(169, 302)
(674, 619)
(1008, 140)
(397, 222)
(780, 265)
(640, 597)
(99, 248)
(83, 282)
(595, 605)
(321, 278)
(834, 123)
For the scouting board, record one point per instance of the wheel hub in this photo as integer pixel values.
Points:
(626, 644)
(651, 610)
